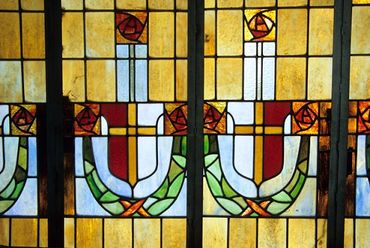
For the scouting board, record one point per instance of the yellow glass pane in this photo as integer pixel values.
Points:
(89, 232)
(181, 34)
(10, 35)
(43, 235)
(360, 41)
(100, 34)
(209, 79)
(4, 234)
(360, 1)
(229, 3)
(11, 81)
(229, 32)
(132, 156)
(360, 77)
(362, 233)
(182, 4)
(117, 232)
(161, 34)
(260, 3)
(69, 232)
(33, 35)
(319, 78)
(72, 4)
(101, 80)
(73, 35)
(321, 2)
(321, 31)
(209, 3)
(161, 80)
(348, 233)
(271, 231)
(34, 81)
(151, 237)
(99, 4)
(292, 31)
(9, 4)
(322, 233)
(74, 80)
(209, 33)
(24, 232)
(229, 78)
(291, 78)
(161, 4)
(242, 232)
(301, 233)
(32, 4)
(214, 232)
(174, 233)
(292, 2)
(181, 80)
(258, 155)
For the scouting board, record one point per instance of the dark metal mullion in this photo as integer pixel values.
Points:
(54, 122)
(339, 122)
(195, 158)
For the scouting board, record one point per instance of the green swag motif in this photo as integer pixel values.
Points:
(13, 190)
(238, 205)
(153, 205)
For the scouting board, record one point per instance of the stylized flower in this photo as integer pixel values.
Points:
(178, 119)
(23, 119)
(86, 119)
(306, 117)
(211, 117)
(364, 117)
(129, 26)
(260, 25)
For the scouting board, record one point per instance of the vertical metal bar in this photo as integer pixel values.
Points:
(54, 121)
(339, 125)
(195, 123)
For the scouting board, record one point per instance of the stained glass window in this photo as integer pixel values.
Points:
(268, 76)
(126, 70)
(22, 97)
(125, 74)
(357, 224)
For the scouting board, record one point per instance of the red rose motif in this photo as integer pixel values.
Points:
(260, 25)
(129, 26)
(305, 117)
(23, 119)
(87, 119)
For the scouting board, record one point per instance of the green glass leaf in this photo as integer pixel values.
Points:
(88, 168)
(8, 190)
(114, 208)
(282, 196)
(98, 182)
(22, 157)
(303, 166)
(94, 189)
(210, 159)
(277, 207)
(23, 142)
(18, 190)
(240, 200)
(289, 188)
(175, 187)
(162, 191)
(206, 144)
(109, 197)
(4, 205)
(20, 174)
(160, 206)
(214, 185)
(230, 206)
(183, 145)
(229, 192)
(180, 160)
(298, 186)
(175, 170)
(215, 169)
